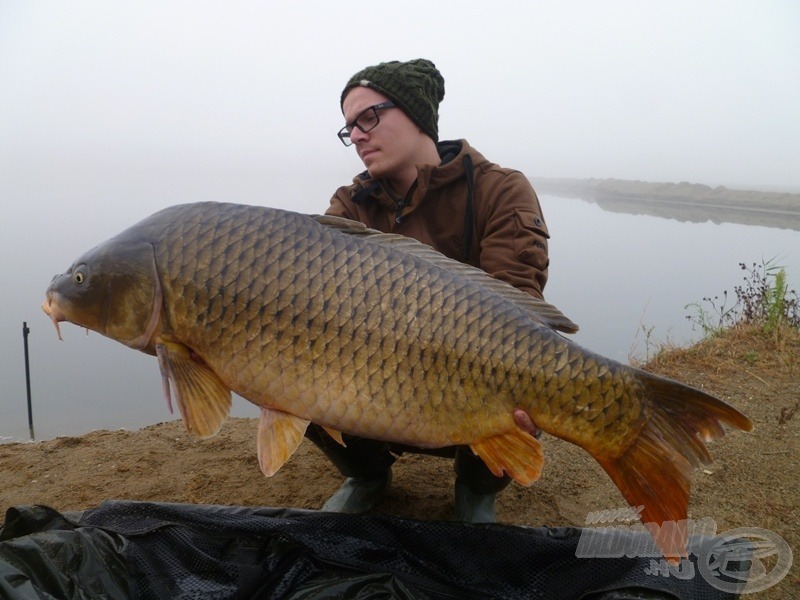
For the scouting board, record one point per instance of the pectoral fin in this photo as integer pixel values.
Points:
(279, 435)
(203, 399)
(516, 453)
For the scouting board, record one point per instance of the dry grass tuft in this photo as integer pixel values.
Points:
(744, 356)
(733, 349)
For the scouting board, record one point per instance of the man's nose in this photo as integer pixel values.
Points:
(357, 135)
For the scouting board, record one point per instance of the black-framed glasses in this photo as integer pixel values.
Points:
(367, 120)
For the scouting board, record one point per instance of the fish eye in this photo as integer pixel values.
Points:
(78, 277)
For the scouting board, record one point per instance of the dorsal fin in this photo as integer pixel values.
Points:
(541, 310)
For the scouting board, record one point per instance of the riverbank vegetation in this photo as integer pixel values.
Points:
(764, 300)
(758, 321)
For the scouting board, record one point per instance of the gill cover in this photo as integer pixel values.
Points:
(113, 289)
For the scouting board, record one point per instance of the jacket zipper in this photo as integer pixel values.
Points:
(398, 216)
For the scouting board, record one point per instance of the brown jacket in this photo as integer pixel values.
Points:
(507, 230)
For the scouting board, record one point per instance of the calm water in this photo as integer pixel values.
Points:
(618, 275)
(614, 274)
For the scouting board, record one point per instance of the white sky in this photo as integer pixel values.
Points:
(700, 91)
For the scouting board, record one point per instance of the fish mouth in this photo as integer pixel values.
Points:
(52, 310)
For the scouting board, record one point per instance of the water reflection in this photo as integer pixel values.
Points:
(692, 212)
(688, 202)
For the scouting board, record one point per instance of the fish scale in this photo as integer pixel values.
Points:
(321, 319)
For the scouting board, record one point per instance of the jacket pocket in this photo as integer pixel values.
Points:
(530, 238)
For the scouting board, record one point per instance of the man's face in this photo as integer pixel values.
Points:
(389, 150)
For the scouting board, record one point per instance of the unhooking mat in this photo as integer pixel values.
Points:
(123, 550)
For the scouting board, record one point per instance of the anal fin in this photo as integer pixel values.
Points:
(515, 453)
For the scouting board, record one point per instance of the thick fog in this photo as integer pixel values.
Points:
(705, 92)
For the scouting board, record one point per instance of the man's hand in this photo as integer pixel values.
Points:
(524, 422)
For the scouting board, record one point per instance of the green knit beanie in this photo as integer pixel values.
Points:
(415, 86)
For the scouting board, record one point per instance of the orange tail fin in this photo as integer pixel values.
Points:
(655, 471)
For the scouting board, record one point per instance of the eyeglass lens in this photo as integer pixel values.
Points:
(366, 121)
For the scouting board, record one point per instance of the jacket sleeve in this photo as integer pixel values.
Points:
(513, 234)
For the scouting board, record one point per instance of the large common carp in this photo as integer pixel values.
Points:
(321, 319)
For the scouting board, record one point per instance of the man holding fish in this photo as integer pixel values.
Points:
(447, 195)
(321, 319)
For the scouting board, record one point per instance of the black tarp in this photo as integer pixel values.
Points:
(123, 550)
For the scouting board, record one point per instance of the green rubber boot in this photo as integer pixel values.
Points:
(366, 464)
(359, 495)
(476, 488)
